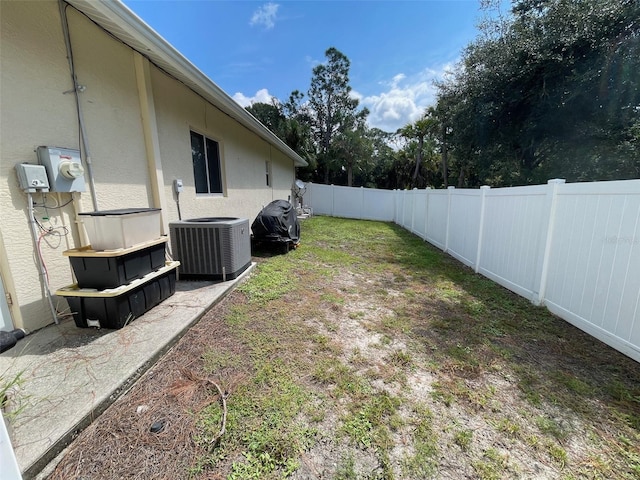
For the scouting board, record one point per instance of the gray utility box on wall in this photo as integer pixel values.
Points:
(32, 178)
(211, 247)
(64, 168)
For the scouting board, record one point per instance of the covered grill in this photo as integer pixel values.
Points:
(277, 223)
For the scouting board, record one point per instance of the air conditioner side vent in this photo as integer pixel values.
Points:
(211, 247)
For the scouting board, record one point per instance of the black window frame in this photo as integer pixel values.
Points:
(207, 164)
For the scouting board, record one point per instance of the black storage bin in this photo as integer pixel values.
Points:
(115, 308)
(152, 294)
(106, 269)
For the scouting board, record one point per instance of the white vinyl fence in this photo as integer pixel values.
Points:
(574, 248)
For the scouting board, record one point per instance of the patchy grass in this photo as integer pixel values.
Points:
(368, 354)
(11, 396)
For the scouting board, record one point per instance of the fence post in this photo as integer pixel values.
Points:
(413, 210)
(552, 194)
(427, 190)
(333, 194)
(395, 205)
(362, 203)
(404, 205)
(446, 236)
(483, 195)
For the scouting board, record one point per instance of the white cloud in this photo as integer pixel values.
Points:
(356, 95)
(403, 99)
(397, 79)
(312, 61)
(261, 96)
(265, 15)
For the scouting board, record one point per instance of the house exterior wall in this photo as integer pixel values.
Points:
(33, 111)
(111, 113)
(243, 155)
(36, 111)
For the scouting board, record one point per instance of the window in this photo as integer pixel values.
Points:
(207, 173)
(268, 168)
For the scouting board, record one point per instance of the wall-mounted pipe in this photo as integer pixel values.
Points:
(76, 89)
(43, 272)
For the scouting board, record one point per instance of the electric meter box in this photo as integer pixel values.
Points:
(64, 168)
(32, 178)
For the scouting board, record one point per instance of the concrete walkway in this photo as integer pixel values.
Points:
(70, 375)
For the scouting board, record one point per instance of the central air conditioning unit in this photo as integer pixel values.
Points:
(211, 247)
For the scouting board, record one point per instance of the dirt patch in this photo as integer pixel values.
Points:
(373, 372)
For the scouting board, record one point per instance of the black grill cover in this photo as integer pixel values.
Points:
(277, 222)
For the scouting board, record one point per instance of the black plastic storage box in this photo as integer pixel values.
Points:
(117, 307)
(111, 269)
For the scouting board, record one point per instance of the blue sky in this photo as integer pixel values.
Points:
(256, 50)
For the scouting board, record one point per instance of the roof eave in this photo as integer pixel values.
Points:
(124, 24)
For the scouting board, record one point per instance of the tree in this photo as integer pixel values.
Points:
(423, 132)
(332, 109)
(350, 148)
(297, 127)
(270, 115)
(289, 122)
(376, 170)
(548, 92)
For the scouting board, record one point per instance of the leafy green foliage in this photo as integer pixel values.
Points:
(548, 92)
(335, 116)
(422, 138)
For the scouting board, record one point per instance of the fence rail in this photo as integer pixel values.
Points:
(574, 248)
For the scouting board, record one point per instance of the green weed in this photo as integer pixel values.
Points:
(572, 383)
(550, 426)
(346, 468)
(509, 427)
(492, 466)
(463, 439)
(440, 393)
(8, 393)
(422, 463)
(332, 372)
(557, 453)
(401, 358)
(332, 298)
(270, 281)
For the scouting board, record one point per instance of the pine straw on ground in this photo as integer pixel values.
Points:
(121, 443)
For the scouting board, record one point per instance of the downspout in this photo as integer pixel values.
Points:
(76, 89)
(151, 137)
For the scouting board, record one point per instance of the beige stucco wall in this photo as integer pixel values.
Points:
(112, 116)
(243, 155)
(35, 111)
